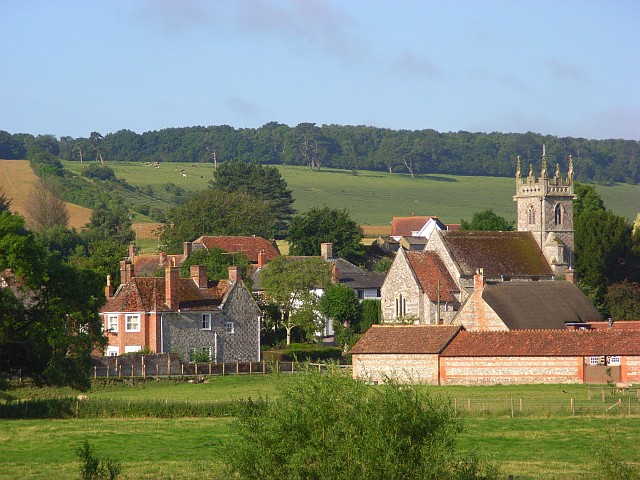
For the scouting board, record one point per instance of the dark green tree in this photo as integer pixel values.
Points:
(345, 429)
(326, 225)
(290, 284)
(587, 200)
(216, 212)
(341, 306)
(487, 220)
(263, 182)
(217, 262)
(623, 300)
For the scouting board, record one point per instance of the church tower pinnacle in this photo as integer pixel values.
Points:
(545, 208)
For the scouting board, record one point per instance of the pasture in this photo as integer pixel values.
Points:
(538, 445)
(373, 198)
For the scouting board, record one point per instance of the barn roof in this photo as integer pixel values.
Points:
(419, 339)
(405, 226)
(249, 246)
(539, 305)
(537, 343)
(498, 253)
(430, 271)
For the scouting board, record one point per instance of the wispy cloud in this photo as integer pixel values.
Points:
(412, 64)
(565, 71)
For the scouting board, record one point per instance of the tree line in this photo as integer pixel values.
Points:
(360, 147)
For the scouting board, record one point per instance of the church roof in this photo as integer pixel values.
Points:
(419, 339)
(430, 270)
(539, 305)
(498, 253)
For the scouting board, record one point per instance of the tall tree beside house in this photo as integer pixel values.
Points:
(216, 212)
(487, 220)
(290, 285)
(49, 322)
(340, 304)
(326, 225)
(261, 181)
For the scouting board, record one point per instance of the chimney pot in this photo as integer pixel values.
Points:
(199, 275)
(326, 251)
(187, 249)
(478, 279)
(262, 259)
(234, 274)
(108, 290)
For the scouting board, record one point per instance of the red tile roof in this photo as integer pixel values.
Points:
(538, 343)
(148, 265)
(420, 339)
(617, 325)
(147, 294)
(404, 226)
(498, 253)
(429, 270)
(250, 246)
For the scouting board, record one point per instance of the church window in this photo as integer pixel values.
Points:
(401, 306)
(532, 215)
(557, 215)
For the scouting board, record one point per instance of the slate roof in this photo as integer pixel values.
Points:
(429, 269)
(147, 294)
(419, 339)
(498, 253)
(250, 246)
(539, 305)
(405, 226)
(548, 343)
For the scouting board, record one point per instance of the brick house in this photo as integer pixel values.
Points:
(418, 285)
(450, 355)
(182, 315)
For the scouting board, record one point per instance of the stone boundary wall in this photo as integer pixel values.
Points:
(631, 369)
(405, 368)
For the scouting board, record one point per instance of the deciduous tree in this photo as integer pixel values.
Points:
(487, 220)
(46, 208)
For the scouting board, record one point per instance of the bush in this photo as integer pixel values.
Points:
(302, 352)
(94, 468)
(327, 425)
(99, 172)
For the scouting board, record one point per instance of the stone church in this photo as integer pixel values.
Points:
(541, 251)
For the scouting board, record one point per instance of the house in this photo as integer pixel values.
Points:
(182, 315)
(415, 226)
(525, 305)
(418, 286)
(451, 355)
(258, 250)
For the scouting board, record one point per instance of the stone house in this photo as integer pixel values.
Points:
(187, 316)
(450, 355)
(516, 305)
(418, 286)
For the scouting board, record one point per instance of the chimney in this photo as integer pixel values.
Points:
(133, 251)
(199, 275)
(262, 259)
(108, 290)
(326, 251)
(570, 275)
(235, 275)
(335, 273)
(162, 258)
(172, 286)
(478, 279)
(126, 271)
(186, 250)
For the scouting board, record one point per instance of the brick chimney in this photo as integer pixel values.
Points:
(108, 290)
(235, 275)
(187, 248)
(478, 279)
(326, 251)
(335, 273)
(262, 259)
(162, 258)
(172, 286)
(570, 275)
(133, 251)
(126, 271)
(199, 275)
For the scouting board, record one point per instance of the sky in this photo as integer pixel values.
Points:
(564, 68)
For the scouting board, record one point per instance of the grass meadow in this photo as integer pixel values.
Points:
(538, 445)
(373, 198)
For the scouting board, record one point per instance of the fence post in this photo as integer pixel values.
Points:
(209, 368)
(513, 413)
(182, 369)
(468, 404)
(250, 369)
(169, 366)
(119, 371)
(144, 370)
(263, 367)
(455, 406)
(521, 406)
(132, 371)
(195, 369)
(107, 369)
(95, 371)
(20, 375)
(237, 368)
(573, 408)
(277, 366)
(157, 371)
(223, 369)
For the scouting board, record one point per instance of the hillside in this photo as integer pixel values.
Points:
(16, 178)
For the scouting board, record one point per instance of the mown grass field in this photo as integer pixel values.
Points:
(534, 446)
(373, 198)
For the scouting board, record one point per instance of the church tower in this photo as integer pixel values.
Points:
(545, 208)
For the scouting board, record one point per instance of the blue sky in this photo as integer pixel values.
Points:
(566, 68)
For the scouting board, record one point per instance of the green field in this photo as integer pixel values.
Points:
(373, 198)
(538, 445)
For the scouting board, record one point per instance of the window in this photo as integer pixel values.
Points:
(205, 322)
(594, 360)
(401, 306)
(132, 323)
(132, 349)
(113, 351)
(532, 215)
(557, 215)
(613, 360)
(229, 327)
(360, 294)
(112, 323)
